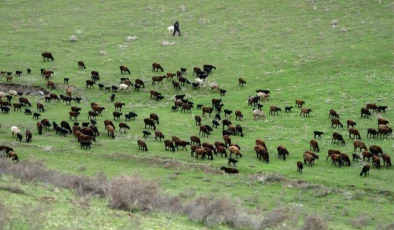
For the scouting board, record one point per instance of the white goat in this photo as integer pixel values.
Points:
(2, 94)
(15, 130)
(42, 95)
(263, 96)
(259, 114)
(124, 87)
(170, 30)
(13, 93)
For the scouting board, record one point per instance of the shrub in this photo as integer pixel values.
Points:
(314, 222)
(12, 189)
(131, 193)
(360, 221)
(275, 217)
(390, 226)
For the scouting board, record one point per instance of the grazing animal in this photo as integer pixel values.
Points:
(345, 159)
(355, 133)
(124, 69)
(227, 112)
(282, 152)
(382, 108)
(51, 85)
(110, 131)
(170, 30)
(384, 131)
(159, 135)
(359, 144)
(299, 103)
(146, 134)
(19, 136)
(156, 67)
(386, 160)
(14, 157)
(356, 157)
(232, 161)
(336, 158)
(28, 71)
(258, 114)
(123, 126)
(73, 115)
(29, 136)
(229, 170)
(366, 154)
(142, 145)
(374, 107)
(317, 134)
(376, 150)
(198, 120)
(235, 150)
(204, 130)
(154, 117)
(305, 112)
(114, 88)
(365, 113)
(168, 145)
(365, 170)
(206, 109)
(382, 121)
(18, 73)
(36, 116)
(333, 114)
(158, 79)
(15, 130)
(215, 123)
(376, 161)
(90, 83)
(119, 105)
(350, 123)
(288, 110)
(274, 109)
(238, 115)
(337, 137)
(241, 82)
(124, 87)
(117, 115)
(39, 127)
(150, 123)
(300, 167)
(28, 112)
(47, 56)
(81, 65)
(335, 123)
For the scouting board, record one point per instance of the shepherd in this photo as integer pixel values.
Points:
(176, 28)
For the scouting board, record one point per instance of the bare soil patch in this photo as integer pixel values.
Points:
(26, 89)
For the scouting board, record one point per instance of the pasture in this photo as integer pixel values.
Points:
(333, 55)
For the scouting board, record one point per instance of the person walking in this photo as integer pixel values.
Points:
(176, 28)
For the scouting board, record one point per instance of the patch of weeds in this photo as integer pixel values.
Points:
(360, 221)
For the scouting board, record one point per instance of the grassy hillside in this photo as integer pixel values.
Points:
(332, 54)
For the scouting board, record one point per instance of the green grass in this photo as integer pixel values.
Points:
(287, 47)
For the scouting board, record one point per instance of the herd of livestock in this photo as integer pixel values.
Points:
(87, 132)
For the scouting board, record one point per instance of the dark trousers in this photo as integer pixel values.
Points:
(176, 29)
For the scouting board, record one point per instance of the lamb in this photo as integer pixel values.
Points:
(170, 30)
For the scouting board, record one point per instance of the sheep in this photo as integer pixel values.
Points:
(170, 30)
(15, 130)
(124, 87)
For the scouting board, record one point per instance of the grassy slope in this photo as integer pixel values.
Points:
(287, 46)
